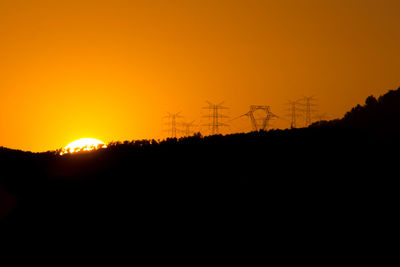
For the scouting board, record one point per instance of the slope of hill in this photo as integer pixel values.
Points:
(379, 117)
(328, 184)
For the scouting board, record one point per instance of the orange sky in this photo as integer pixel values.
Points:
(112, 69)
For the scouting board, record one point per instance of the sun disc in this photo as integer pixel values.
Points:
(83, 144)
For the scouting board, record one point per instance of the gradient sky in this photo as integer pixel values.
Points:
(112, 69)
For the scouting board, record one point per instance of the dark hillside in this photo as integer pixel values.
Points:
(302, 192)
(379, 117)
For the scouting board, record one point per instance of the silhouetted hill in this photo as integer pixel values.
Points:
(378, 117)
(299, 194)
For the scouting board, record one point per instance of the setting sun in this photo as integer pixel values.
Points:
(83, 144)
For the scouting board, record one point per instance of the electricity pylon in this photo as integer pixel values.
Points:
(268, 118)
(173, 123)
(187, 128)
(293, 110)
(307, 103)
(265, 119)
(215, 117)
(322, 117)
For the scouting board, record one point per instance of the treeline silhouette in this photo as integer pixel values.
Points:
(297, 195)
(379, 117)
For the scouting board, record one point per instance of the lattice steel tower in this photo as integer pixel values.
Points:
(215, 116)
(187, 128)
(308, 104)
(293, 108)
(265, 119)
(173, 123)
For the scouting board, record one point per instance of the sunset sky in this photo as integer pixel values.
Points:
(111, 69)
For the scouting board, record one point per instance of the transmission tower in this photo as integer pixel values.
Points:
(268, 118)
(172, 117)
(187, 128)
(264, 120)
(307, 103)
(293, 110)
(215, 117)
(322, 117)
